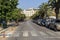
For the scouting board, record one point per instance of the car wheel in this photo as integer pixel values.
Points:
(49, 26)
(52, 26)
(40, 24)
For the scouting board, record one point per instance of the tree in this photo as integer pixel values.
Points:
(42, 12)
(6, 6)
(35, 16)
(17, 15)
(56, 5)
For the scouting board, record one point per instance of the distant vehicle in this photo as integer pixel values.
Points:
(35, 21)
(55, 24)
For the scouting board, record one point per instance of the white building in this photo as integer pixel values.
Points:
(29, 12)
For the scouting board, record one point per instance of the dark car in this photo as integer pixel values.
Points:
(43, 22)
(40, 21)
(35, 21)
(55, 24)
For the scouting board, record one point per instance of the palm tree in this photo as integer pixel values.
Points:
(43, 10)
(56, 5)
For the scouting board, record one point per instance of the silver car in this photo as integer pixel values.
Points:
(55, 24)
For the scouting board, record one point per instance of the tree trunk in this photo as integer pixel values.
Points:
(4, 22)
(57, 12)
(17, 23)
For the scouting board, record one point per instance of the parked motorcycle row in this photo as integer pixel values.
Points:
(49, 23)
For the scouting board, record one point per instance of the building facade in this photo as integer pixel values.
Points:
(29, 12)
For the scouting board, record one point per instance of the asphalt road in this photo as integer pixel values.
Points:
(31, 31)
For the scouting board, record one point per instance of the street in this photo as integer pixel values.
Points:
(31, 31)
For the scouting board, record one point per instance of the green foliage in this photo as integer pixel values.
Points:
(17, 15)
(35, 15)
(42, 12)
(55, 4)
(6, 7)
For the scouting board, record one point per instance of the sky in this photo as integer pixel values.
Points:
(25, 4)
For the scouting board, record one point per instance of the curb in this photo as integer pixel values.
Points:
(5, 35)
(3, 30)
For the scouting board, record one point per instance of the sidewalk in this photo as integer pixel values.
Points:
(7, 33)
(1, 28)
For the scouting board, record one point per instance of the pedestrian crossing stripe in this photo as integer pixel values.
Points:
(25, 34)
(34, 34)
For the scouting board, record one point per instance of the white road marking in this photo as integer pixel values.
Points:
(6, 35)
(25, 34)
(34, 33)
(42, 33)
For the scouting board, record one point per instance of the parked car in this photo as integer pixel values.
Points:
(39, 21)
(35, 21)
(47, 22)
(55, 24)
(43, 22)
